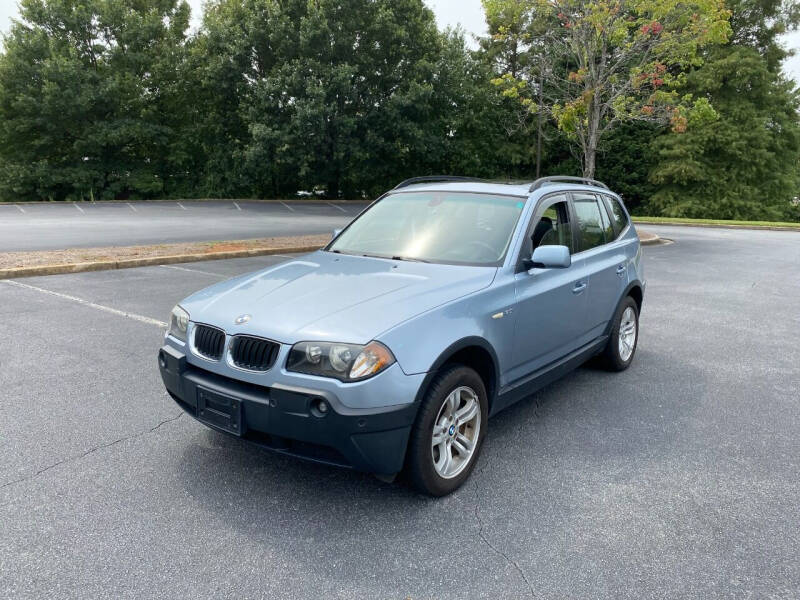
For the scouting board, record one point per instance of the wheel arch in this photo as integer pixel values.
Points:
(633, 290)
(474, 352)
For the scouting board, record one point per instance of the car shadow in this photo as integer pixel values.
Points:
(587, 418)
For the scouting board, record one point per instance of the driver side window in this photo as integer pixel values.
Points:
(553, 228)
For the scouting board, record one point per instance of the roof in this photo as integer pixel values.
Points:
(521, 189)
(483, 187)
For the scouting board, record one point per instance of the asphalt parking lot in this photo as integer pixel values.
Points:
(52, 226)
(677, 478)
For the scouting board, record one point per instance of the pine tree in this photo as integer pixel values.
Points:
(746, 164)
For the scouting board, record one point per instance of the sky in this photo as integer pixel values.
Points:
(467, 13)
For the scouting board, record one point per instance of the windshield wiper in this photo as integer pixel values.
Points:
(398, 257)
(410, 259)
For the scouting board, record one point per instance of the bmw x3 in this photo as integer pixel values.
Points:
(445, 301)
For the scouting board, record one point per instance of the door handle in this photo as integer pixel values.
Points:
(579, 287)
(621, 270)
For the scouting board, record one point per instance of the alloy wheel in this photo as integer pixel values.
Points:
(456, 431)
(627, 334)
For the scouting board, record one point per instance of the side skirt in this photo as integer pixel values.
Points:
(522, 388)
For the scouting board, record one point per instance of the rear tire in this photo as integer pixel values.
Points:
(621, 347)
(448, 434)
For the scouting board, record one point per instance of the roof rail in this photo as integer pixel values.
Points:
(434, 178)
(542, 181)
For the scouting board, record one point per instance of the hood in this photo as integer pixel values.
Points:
(333, 297)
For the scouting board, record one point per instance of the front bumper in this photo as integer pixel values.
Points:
(281, 418)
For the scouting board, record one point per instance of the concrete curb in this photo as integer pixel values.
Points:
(129, 263)
(105, 265)
(719, 225)
(648, 238)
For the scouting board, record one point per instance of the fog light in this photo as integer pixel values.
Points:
(162, 360)
(319, 408)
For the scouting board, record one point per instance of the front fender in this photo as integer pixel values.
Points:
(424, 342)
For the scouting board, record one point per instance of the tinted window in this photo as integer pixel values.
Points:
(553, 227)
(608, 229)
(590, 223)
(618, 216)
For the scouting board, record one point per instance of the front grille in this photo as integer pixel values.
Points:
(209, 341)
(252, 353)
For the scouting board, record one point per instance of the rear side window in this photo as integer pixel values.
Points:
(618, 217)
(590, 223)
(608, 229)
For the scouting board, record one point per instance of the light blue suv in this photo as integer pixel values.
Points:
(445, 301)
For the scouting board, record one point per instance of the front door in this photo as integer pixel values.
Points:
(550, 303)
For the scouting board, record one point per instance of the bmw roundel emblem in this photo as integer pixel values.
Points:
(241, 319)
(452, 429)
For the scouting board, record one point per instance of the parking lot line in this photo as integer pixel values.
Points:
(287, 206)
(107, 309)
(236, 204)
(78, 207)
(131, 206)
(335, 206)
(181, 205)
(188, 270)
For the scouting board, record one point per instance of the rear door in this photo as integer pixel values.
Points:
(550, 303)
(603, 260)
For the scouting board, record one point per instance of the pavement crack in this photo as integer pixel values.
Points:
(91, 451)
(164, 422)
(508, 559)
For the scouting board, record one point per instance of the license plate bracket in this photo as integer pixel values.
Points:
(219, 410)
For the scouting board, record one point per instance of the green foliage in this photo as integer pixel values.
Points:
(625, 161)
(239, 45)
(728, 222)
(87, 98)
(350, 104)
(597, 63)
(746, 163)
(343, 97)
(111, 99)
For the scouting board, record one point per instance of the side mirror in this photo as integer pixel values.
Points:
(336, 233)
(551, 257)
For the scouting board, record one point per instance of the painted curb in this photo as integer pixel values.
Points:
(647, 238)
(719, 225)
(105, 265)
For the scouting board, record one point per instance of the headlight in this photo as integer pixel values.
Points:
(178, 322)
(345, 362)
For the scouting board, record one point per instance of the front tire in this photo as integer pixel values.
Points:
(449, 431)
(624, 337)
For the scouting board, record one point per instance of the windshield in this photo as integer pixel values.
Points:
(441, 227)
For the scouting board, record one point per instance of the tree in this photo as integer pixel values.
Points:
(477, 128)
(352, 103)
(626, 159)
(746, 164)
(87, 101)
(337, 95)
(240, 44)
(592, 65)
